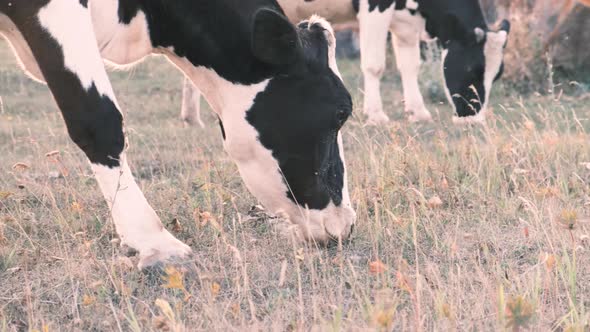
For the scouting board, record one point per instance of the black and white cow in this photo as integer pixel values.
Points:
(472, 56)
(274, 86)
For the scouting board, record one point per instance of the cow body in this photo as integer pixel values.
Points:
(252, 67)
(452, 21)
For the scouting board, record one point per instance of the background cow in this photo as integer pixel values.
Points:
(253, 67)
(473, 54)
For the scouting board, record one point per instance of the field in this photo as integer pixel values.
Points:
(459, 228)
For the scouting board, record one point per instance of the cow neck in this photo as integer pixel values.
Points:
(211, 34)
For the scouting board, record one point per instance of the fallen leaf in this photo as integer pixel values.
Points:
(173, 278)
(434, 203)
(77, 207)
(444, 184)
(215, 288)
(20, 167)
(299, 254)
(88, 300)
(52, 154)
(377, 267)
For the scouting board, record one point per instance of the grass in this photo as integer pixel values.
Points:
(459, 228)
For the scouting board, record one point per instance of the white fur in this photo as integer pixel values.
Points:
(331, 38)
(69, 23)
(407, 30)
(112, 34)
(494, 55)
(136, 222)
(373, 40)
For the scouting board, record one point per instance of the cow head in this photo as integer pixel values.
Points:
(472, 61)
(289, 149)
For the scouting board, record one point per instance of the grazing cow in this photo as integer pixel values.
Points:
(274, 86)
(473, 55)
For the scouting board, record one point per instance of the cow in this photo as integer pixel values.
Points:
(275, 87)
(472, 53)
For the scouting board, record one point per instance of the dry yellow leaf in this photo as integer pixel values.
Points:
(173, 278)
(88, 300)
(215, 288)
(434, 202)
(377, 267)
(384, 318)
(299, 254)
(77, 207)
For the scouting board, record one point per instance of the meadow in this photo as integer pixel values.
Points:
(459, 227)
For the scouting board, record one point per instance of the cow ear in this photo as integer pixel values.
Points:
(274, 38)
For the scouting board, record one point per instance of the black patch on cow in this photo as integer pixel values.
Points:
(214, 34)
(400, 4)
(302, 132)
(128, 9)
(356, 5)
(381, 4)
(93, 121)
(464, 70)
(84, 3)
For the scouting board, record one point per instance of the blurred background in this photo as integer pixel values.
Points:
(534, 63)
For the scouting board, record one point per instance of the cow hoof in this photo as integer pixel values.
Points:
(163, 250)
(419, 117)
(377, 119)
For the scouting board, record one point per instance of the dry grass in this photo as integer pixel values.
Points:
(505, 245)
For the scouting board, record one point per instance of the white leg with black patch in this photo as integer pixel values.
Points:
(406, 31)
(374, 27)
(136, 222)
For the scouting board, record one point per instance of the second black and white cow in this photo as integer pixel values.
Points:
(472, 55)
(274, 86)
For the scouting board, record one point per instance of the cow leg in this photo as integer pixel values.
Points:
(406, 30)
(69, 59)
(373, 29)
(190, 112)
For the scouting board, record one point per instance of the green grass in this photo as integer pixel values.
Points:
(497, 254)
